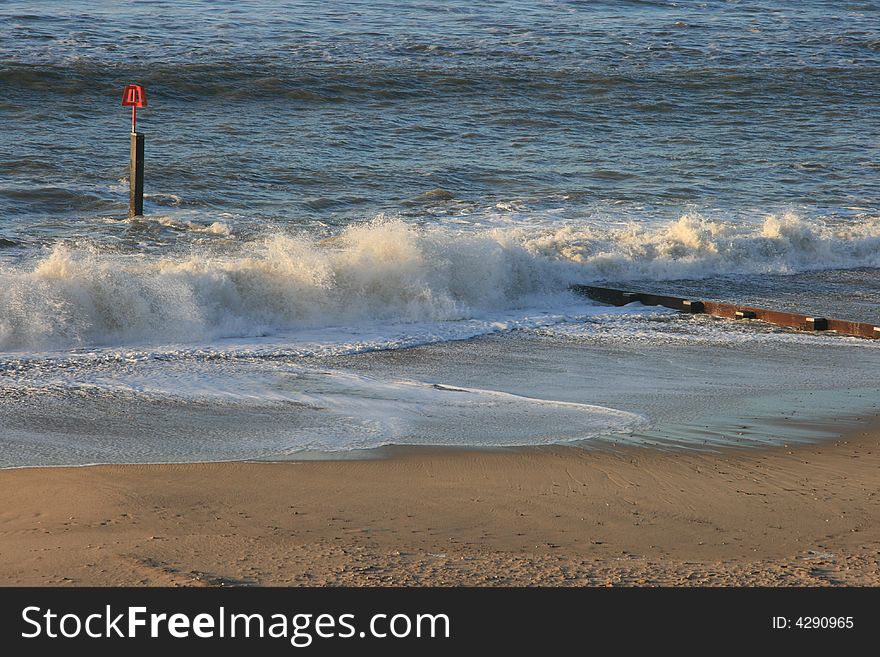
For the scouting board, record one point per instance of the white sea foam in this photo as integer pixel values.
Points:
(694, 247)
(266, 409)
(381, 271)
(214, 228)
(385, 271)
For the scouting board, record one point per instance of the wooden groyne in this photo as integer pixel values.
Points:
(796, 321)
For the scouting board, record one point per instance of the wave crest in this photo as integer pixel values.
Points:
(693, 247)
(386, 271)
(383, 270)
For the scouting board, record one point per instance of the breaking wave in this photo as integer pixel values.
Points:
(385, 271)
(693, 247)
(381, 271)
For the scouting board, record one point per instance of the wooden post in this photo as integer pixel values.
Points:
(136, 176)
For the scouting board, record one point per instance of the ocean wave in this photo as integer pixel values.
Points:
(311, 81)
(56, 199)
(694, 247)
(385, 271)
(218, 228)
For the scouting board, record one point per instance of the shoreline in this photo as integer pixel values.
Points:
(624, 515)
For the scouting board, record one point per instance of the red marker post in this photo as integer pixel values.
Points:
(135, 96)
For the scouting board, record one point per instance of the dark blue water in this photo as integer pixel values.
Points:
(299, 111)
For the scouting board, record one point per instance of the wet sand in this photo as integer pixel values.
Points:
(548, 516)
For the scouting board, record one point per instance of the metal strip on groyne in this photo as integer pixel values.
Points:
(782, 318)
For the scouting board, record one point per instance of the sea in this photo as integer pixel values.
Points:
(362, 220)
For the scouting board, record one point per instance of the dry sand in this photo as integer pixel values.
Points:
(553, 516)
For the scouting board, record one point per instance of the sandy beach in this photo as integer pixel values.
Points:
(549, 516)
